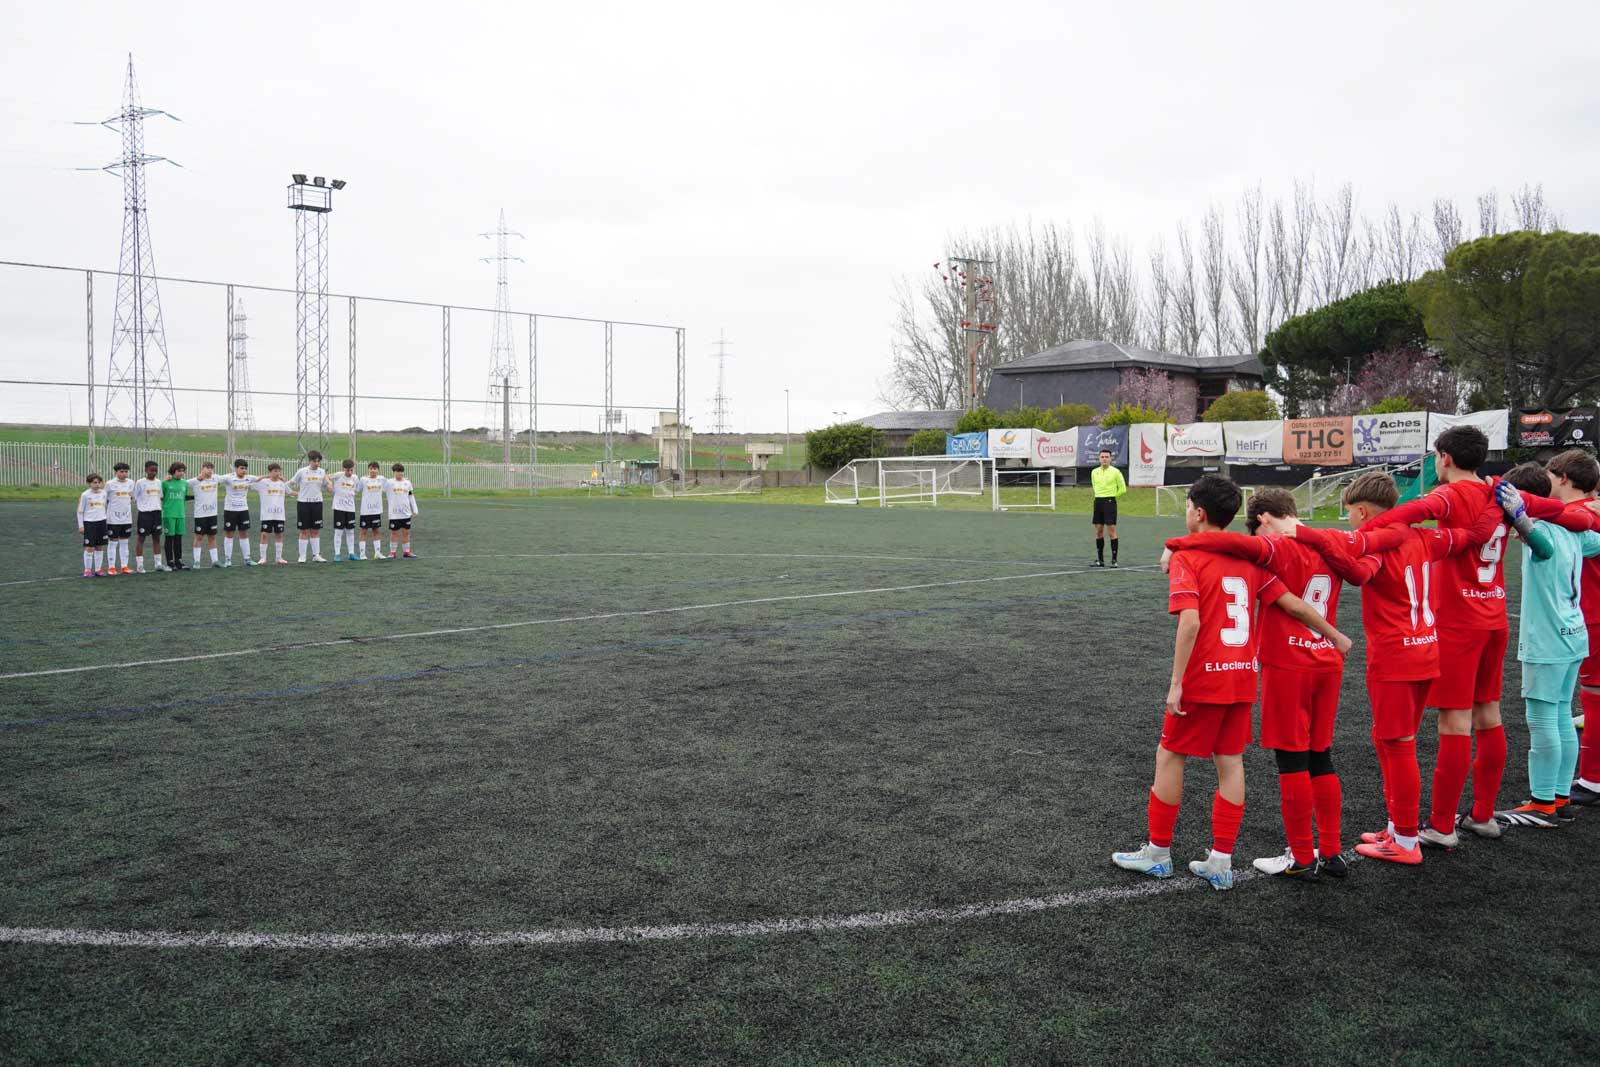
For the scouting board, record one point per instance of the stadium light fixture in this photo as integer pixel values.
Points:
(337, 183)
(319, 181)
(299, 179)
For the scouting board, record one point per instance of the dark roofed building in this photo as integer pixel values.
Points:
(898, 426)
(1089, 372)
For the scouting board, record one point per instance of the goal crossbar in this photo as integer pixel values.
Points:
(908, 479)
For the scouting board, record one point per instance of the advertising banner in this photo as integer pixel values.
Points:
(1195, 439)
(1494, 423)
(1011, 444)
(1254, 442)
(966, 444)
(1055, 449)
(1091, 439)
(1398, 438)
(1323, 442)
(1147, 454)
(1573, 428)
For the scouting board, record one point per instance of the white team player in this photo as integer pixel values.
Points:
(307, 485)
(119, 518)
(373, 488)
(402, 509)
(204, 489)
(92, 525)
(147, 499)
(236, 512)
(344, 484)
(273, 491)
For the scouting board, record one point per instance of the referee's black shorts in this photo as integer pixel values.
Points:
(1105, 511)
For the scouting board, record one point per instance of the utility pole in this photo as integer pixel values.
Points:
(977, 300)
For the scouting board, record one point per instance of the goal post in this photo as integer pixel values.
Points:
(670, 490)
(906, 479)
(1027, 487)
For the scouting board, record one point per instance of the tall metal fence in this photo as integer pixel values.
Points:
(27, 463)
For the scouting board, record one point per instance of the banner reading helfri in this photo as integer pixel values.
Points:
(1147, 455)
(1323, 442)
(1258, 441)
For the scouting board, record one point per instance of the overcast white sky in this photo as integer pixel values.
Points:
(764, 169)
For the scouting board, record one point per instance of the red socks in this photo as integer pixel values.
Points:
(1327, 797)
(1403, 783)
(1225, 819)
(1450, 778)
(1295, 800)
(1162, 818)
(1487, 770)
(1589, 746)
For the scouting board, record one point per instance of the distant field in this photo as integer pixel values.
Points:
(415, 447)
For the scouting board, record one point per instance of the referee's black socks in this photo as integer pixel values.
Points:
(1100, 548)
(1113, 550)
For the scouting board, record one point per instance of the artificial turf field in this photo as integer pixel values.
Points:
(715, 714)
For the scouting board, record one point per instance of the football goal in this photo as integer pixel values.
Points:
(1027, 487)
(668, 489)
(908, 480)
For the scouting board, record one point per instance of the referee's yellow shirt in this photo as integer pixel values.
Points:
(1107, 482)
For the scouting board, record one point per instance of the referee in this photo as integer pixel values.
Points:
(1108, 488)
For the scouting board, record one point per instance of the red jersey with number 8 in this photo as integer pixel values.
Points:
(1224, 590)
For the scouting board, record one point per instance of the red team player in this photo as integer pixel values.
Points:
(1213, 685)
(1397, 609)
(1301, 673)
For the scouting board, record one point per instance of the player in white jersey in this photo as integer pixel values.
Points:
(373, 488)
(402, 509)
(236, 512)
(273, 491)
(147, 499)
(204, 489)
(344, 485)
(119, 518)
(307, 485)
(92, 525)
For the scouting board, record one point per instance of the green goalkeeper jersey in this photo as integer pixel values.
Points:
(174, 491)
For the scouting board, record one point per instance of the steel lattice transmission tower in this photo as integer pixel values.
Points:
(139, 378)
(719, 403)
(312, 204)
(502, 349)
(244, 409)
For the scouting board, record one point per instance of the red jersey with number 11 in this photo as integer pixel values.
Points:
(1224, 590)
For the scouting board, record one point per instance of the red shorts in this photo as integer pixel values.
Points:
(1206, 730)
(1396, 708)
(1298, 708)
(1589, 673)
(1472, 668)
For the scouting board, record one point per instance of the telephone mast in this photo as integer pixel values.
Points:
(502, 349)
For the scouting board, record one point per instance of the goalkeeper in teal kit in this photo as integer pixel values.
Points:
(1553, 641)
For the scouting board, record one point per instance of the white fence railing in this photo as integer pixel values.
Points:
(26, 463)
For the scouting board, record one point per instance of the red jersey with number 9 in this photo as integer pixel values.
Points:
(1471, 589)
(1224, 590)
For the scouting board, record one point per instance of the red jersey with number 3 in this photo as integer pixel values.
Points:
(1224, 590)
(1471, 587)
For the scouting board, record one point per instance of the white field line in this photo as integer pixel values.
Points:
(597, 935)
(520, 623)
(676, 555)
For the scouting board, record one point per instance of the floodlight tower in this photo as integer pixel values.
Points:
(139, 378)
(502, 349)
(312, 204)
(719, 403)
(245, 410)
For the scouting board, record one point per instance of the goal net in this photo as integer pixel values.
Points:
(908, 480)
(670, 490)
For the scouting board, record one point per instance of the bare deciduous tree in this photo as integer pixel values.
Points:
(1214, 266)
(1448, 229)
(1158, 317)
(1402, 244)
(1528, 203)
(1335, 244)
(1186, 298)
(1489, 214)
(1248, 281)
